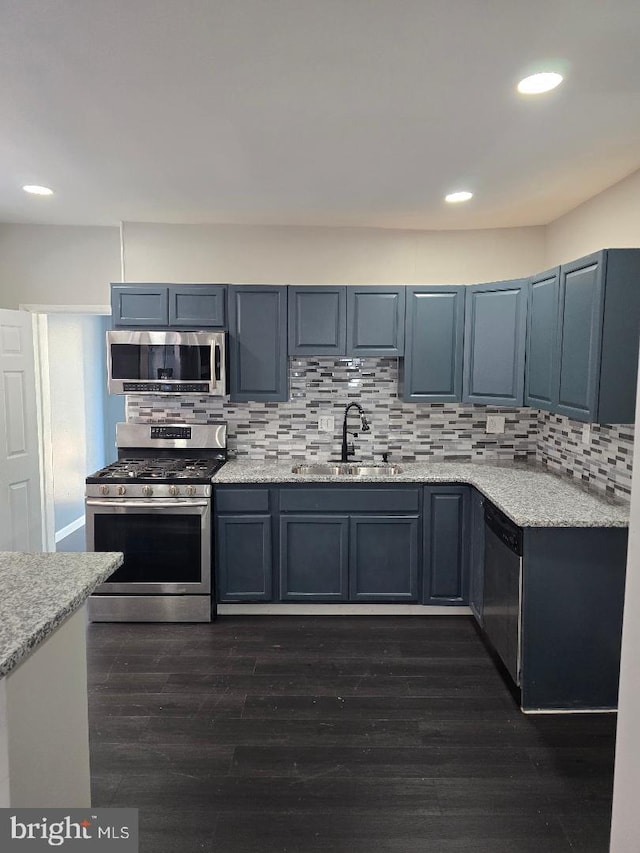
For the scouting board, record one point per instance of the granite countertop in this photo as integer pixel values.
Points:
(39, 591)
(528, 493)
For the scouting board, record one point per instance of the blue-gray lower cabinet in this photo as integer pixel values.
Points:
(383, 558)
(244, 566)
(494, 343)
(258, 343)
(432, 369)
(573, 582)
(314, 555)
(476, 554)
(445, 545)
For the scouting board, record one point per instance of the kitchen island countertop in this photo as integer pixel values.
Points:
(528, 493)
(39, 591)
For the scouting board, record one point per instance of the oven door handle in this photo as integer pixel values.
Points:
(152, 505)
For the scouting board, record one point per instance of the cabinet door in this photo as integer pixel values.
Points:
(244, 565)
(142, 305)
(317, 320)
(476, 555)
(383, 560)
(258, 342)
(446, 546)
(375, 321)
(314, 555)
(197, 306)
(542, 325)
(494, 343)
(433, 346)
(581, 312)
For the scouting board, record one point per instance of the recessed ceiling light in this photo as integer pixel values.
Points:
(536, 84)
(34, 189)
(463, 195)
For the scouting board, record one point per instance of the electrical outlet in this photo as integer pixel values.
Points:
(495, 424)
(326, 423)
(586, 433)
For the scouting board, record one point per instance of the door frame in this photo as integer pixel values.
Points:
(43, 403)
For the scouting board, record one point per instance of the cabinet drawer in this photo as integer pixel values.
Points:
(241, 500)
(349, 500)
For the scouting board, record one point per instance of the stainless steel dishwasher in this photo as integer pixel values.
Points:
(503, 587)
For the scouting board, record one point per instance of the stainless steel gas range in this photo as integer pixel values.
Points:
(154, 504)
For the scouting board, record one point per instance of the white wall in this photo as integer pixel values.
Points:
(609, 220)
(56, 264)
(285, 255)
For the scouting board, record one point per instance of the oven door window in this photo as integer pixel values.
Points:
(158, 547)
(187, 363)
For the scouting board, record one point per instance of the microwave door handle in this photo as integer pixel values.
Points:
(216, 359)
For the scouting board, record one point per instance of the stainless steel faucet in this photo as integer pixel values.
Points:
(349, 449)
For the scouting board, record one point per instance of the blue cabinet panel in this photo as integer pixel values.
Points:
(446, 545)
(494, 343)
(317, 320)
(433, 346)
(383, 558)
(313, 557)
(258, 343)
(375, 321)
(197, 306)
(244, 559)
(141, 305)
(476, 555)
(542, 331)
(581, 312)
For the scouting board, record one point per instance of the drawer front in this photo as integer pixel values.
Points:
(241, 500)
(349, 500)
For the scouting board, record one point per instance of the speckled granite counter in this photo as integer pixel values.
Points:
(39, 591)
(527, 493)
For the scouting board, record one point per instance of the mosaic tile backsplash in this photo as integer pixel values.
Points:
(410, 432)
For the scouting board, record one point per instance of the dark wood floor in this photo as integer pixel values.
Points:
(297, 735)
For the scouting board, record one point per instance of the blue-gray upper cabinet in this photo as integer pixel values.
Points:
(317, 320)
(597, 350)
(197, 306)
(258, 343)
(542, 331)
(340, 320)
(445, 545)
(141, 305)
(494, 343)
(433, 346)
(176, 306)
(375, 321)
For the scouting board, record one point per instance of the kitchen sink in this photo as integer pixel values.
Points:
(346, 469)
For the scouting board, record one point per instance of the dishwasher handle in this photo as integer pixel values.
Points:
(506, 530)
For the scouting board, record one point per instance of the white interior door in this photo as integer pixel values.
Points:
(20, 502)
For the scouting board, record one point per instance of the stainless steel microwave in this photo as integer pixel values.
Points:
(166, 362)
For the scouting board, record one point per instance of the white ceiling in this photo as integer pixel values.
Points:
(324, 112)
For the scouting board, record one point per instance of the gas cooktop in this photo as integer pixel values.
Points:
(165, 470)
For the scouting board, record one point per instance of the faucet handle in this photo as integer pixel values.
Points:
(385, 456)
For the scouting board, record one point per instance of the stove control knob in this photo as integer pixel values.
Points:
(174, 491)
(104, 490)
(122, 490)
(191, 491)
(147, 491)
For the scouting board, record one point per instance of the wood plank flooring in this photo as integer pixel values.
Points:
(301, 735)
